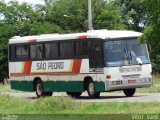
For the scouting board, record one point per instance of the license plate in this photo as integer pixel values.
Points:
(131, 81)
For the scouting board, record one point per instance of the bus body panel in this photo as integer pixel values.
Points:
(68, 75)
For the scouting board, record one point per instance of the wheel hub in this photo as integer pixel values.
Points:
(39, 89)
(91, 88)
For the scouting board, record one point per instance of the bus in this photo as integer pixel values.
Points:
(94, 61)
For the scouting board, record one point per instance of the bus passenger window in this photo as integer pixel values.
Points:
(47, 50)
(54, 50)
(36, 51)
(39, 51)
(70, 47)
(11, 52)
(18, 52)
(63, 50)
(22, 52)
(33, 51)
(82, 48)
(25, 52)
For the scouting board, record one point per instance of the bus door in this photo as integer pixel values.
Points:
(96, 58)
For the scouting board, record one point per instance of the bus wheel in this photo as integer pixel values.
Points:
(91, 90)
(129, 92)
(74, 94)
(39, 89)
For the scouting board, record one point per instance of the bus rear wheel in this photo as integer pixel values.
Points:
(40, 91)
(129, 92)
(91, 90)
(74, 94)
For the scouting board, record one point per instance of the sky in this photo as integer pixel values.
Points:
(28, 1)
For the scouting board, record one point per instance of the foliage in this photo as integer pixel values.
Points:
(133, 14)
(151, 33)
(66, 16)
(24, 19)
(110, 17)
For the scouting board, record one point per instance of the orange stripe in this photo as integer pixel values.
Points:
(76, 66)
(27, 67)
(43, 73)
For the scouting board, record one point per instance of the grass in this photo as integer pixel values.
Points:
(63, 106)
(66, 105)
(5, 88)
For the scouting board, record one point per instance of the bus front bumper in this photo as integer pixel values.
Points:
(113, 85)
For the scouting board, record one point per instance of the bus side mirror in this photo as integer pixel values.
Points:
(139, 61)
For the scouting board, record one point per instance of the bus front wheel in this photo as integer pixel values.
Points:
(91, 90)
(74, 94)
(129, 92)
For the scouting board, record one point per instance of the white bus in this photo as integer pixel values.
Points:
(95, 61)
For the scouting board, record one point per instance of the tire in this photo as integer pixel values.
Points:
(74, 94)
(91, 90)
(129, 92)
(39, 89)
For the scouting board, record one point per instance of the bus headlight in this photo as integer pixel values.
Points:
(146, 80)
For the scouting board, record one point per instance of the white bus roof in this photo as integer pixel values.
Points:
(104, 34)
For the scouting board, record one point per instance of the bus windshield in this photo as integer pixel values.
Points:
(125, 52)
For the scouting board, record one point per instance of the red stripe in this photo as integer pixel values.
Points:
(82, 37)
(43, 73)
(27, 67)
(31, 41)
(76, 66)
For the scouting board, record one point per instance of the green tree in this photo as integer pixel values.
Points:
(110, 17)
(151, 33)
(55, 16)
(133, 14)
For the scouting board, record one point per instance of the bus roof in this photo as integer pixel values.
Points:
(103, 34)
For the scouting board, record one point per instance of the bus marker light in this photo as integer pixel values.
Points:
(108, 76)
(82, 37)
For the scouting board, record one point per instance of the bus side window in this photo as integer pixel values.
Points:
(63, 50)
(18, 52)
(11, 52)
(54, 50)
(25, 52)
(33, 51)
(22, 52)
(82, 48)
(47, 51)
(36, 51)
(39, 51)
(70, 49)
